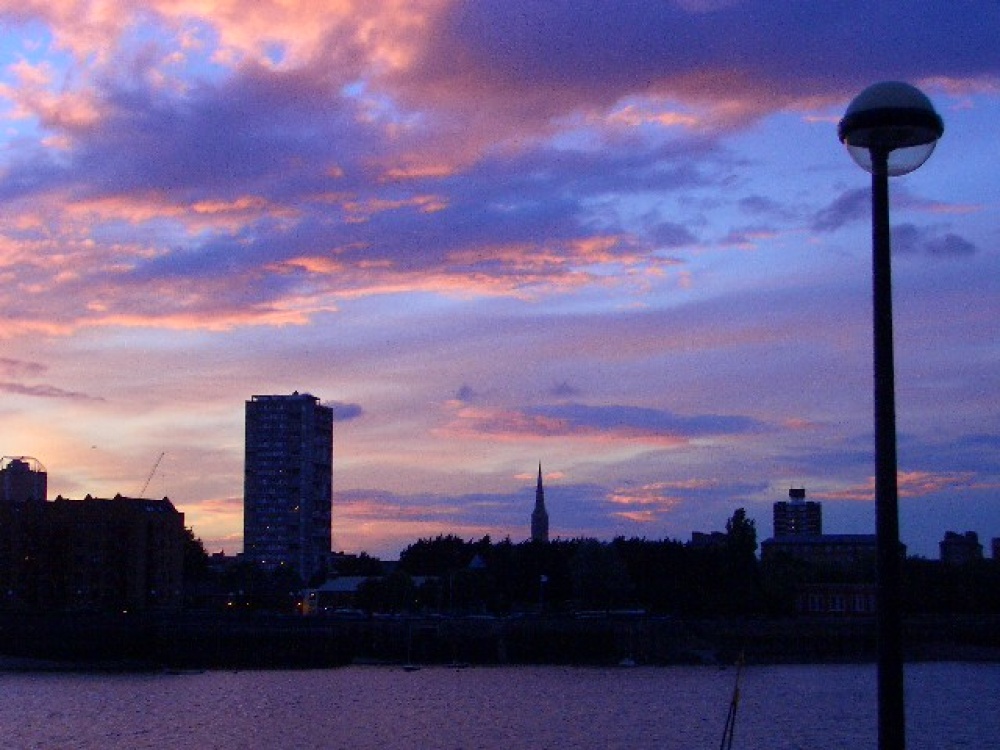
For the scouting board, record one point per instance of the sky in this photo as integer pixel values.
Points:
(619, 239)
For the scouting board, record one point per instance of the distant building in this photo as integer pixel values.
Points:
(842, 552)
(92, 554)
(996, 548)
(287, 486)
(334, 594)
(797, 517)
(219, 562)
(539, 516)
(960, 549)
(847, 600)
(22, 480)
(798, 535)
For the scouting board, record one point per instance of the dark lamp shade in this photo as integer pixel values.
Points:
(892, 119)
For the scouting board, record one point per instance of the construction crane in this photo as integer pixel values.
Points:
(142, 492)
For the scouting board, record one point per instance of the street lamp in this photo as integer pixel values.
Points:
(889, 129)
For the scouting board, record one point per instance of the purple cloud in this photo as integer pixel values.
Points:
(670, 234)
(344, 412)
(649, 420)
(541, 60)
(950, 246)
(850, 206)
(17, 368)
(911, 239)
(760, 205)
(46, 391)
(466, 394)
(564, 390)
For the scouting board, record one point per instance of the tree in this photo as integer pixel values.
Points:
(600, 578)
(393, 594)
(741, 535)
(195, 557)
(436, 557)
(361, 564)
(744, 592)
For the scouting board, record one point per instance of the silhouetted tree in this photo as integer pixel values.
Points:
(658, 571)
(600, 578)
(358, 565)
(399, 593)
(250, 586)
(744, 590)
(741, 535)
(933, 587)
(195, 557)
(436, 557)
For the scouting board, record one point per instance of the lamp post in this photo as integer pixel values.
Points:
(889, 129)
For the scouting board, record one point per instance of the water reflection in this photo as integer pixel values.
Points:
(782, 708)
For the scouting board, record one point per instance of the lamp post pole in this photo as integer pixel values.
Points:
(892, 733)
(889, 129)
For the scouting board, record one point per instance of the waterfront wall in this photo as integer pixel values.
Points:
(178, 640)
(259, 642)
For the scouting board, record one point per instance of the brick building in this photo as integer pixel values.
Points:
(93, 554)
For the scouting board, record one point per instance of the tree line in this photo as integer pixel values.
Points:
(721, 577)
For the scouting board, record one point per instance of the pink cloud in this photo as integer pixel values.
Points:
(910, 484)
(638, 516)
(647, 495)
(921, 483)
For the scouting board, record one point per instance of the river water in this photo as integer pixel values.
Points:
(949, 705)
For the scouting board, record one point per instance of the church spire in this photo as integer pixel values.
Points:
(539, 516)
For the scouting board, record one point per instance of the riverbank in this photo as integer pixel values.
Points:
(127, 641)
(191, 641)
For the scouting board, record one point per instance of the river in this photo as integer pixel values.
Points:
(949, 705)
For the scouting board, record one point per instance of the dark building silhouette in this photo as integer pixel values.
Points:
(93, 554)
(798, 534)
(798, 516)
(836, 600)
(287, 486)
(22, 480)
(960, 549)
(539, 516)
(844, 552)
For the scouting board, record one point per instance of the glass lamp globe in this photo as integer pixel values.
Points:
(893, 120)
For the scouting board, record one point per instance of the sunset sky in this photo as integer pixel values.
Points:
(617, 238)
